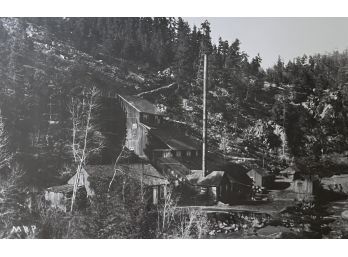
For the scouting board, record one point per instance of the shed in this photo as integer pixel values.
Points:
(229, 185)
(261, 177)
(59, 196)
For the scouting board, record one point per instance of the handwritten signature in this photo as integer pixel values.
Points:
(26, 229)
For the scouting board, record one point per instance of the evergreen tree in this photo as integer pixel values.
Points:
(183, 59)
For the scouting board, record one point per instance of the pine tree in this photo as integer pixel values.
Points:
(183, 57)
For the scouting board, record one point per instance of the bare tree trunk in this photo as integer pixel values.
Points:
(80, 155)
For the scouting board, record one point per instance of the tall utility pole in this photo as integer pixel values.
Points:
(204, 150)
(284, 113)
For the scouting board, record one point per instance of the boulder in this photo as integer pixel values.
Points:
(345, 215)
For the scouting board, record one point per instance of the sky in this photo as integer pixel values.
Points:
(284, 37)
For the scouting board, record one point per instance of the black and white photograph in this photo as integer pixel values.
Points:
(173, 127)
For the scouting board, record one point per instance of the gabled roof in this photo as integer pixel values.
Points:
(212, 179)
(144, 172)
(290, 170)
(261, 171)
(236, 173)
(141, 104)
(172, 167)
(239, 178)
(175, 139)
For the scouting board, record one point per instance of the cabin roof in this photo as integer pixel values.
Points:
(175, 139)
(141, 104)
(171, 164)
(290, 170)
(140, 171)
(236, 173)
(61, 189)
(262, 172)
(239, 178)
(212, 179)
(194, 176)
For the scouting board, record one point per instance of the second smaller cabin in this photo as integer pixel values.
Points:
(154, 183)
(59, 197)
(261, 177)
(229, 186)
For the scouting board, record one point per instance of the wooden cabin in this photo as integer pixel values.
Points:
(150, 135)
(261, 177)
(227, 187)
(141, 116)
(172, 142)
(144, 173)
(230, 185)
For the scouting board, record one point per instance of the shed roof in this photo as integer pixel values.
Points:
(141, 104)
(144, 172)
(212, 179)
(194, 177)
(235, 173)
(239, 178)
(175, 139)
(290, 170)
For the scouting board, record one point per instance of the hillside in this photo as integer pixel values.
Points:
(47, 61)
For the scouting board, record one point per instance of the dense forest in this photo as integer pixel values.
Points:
(291, 111)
